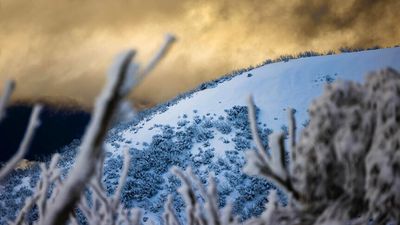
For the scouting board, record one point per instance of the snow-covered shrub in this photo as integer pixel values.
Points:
(329, 79)
(345, 167)
(223, 127)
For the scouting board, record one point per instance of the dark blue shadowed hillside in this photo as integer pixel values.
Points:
(58, 128)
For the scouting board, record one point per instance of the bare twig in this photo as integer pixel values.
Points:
(34, 123)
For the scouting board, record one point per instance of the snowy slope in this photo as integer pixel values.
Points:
(209, 131)
(277, 86)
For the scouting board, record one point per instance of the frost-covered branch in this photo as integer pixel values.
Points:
(5, 97)
(121, 78)
(104, 209)
(345, 166)
(66, 194)
(254, 130)
(210, 196)
(259, 163)
(33, 124)
(92, 143)
(187, 192)
(48, 177)
(211, 203)
(199, 212)
(29, 203)
(163, 50)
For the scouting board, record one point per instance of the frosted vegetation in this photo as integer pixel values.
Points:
(344, 168)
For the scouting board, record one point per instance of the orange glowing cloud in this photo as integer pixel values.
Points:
(61, 49)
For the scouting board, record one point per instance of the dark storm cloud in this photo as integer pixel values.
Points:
(62, 48)
(364, 18)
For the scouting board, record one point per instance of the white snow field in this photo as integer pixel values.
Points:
(276, 87)
(208, 131)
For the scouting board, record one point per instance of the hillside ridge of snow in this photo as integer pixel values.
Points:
(208, 129)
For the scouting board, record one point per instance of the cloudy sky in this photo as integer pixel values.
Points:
(61, 49)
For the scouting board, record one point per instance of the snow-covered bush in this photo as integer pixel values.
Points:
(345, 167)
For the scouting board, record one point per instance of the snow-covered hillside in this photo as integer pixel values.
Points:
(209, 131)
(277, 86)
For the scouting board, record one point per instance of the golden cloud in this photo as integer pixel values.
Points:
(61, 49)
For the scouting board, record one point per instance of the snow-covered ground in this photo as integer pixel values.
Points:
(209, 130)
(277, 86)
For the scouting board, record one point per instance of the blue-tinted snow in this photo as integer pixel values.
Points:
(208, 130)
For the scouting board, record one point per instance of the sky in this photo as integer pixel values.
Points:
(61, 50)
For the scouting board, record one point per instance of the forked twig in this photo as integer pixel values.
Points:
(273, 167)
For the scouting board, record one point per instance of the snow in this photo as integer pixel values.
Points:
(173, 135)
(276, 87)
